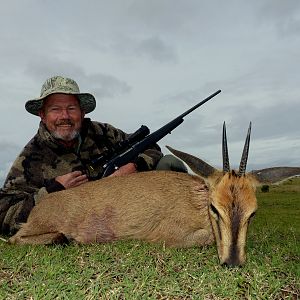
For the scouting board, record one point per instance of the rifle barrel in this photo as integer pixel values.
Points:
(200, 103)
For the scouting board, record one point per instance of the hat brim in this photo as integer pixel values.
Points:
(87, 103)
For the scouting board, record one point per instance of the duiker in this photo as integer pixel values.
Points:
(178, 209)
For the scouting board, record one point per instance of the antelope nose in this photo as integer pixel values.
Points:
(232, 262)
(231, 265)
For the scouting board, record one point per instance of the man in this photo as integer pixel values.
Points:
(56, 157)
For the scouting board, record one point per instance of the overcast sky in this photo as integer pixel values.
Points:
(147, 61)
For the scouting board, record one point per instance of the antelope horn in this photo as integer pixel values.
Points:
(196, 164)
(226, 166)
(244, 158)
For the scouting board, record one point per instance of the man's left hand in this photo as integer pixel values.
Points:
(125, 170)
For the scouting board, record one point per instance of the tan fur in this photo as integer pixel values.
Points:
(153, 206)
(233, 203)
(158, 206)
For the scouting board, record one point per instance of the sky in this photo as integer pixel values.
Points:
(147, 61)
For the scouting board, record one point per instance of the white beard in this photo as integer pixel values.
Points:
(69, 137)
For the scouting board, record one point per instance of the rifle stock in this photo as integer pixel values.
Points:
(134, 150)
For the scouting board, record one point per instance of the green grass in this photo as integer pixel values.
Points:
(136, 270)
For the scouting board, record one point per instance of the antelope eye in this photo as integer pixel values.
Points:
(214, 212)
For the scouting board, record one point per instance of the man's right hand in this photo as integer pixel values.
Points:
(72, 179)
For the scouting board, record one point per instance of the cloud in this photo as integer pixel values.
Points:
(156, 49)
(106, 86)
(140, 48)
(283, 15)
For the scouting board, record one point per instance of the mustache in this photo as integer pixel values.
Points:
(64, 122)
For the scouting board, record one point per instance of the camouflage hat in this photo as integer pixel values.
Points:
(63, 85)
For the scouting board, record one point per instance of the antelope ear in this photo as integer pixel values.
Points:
(276, 174)
(197, 165)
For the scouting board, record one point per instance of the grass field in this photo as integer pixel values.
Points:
(135, 270)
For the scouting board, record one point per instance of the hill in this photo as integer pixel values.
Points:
(276, 174)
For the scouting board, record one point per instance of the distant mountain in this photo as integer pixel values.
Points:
(275, 174)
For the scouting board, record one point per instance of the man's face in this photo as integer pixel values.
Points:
(62, 115)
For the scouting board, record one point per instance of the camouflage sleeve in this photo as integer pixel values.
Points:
(145, 161)
(17, 198)
(14, 212)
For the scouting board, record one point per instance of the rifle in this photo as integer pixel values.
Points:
(138, 142)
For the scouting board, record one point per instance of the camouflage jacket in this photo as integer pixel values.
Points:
(43, 159)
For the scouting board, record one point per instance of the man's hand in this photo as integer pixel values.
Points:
(125, 170)
(72, 179)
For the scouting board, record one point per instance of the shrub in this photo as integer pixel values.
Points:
(265, 188)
